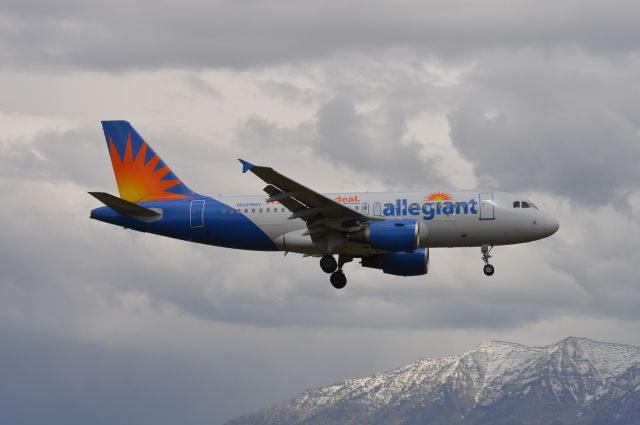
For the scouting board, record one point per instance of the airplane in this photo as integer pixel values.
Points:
(390, 231)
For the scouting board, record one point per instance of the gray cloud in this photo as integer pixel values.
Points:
(74, 156)
(347, 137)
(288, 91)
(243, 34)
(69, 381)
(376, 144)
(563, 123)
(202, 86)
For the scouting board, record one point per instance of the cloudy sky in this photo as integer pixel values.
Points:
(101, 325)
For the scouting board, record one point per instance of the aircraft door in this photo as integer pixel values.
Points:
(197, 213)
(365, 208)
(487, 207)
(377, 209)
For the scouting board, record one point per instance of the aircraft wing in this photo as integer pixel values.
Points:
(304, 203)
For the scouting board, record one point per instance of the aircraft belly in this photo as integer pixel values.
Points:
(466, 231)
(275, 230)
(296, 241)
(230, 230)
(473, 232)
(442, 233)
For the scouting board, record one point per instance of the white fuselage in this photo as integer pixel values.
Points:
(451, 219)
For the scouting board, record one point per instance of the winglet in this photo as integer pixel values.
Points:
(246, 166)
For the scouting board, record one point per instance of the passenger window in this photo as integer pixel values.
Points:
(260, 210)
(224, 211)
(516, 204)
(525, 205)
(282, 210)
(246, 210)
(253, 210)
(267, 209)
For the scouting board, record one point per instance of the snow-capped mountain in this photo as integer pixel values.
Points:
(573, 381)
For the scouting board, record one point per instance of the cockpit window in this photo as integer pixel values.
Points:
(516, 204)
(525, 204)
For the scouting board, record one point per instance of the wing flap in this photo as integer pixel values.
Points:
(288, 202)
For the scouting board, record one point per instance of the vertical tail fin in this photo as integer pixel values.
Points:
(140, 174)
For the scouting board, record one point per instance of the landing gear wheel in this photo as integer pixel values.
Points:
(485, 251)
(488, 269)
(338, 279)
(328, 264)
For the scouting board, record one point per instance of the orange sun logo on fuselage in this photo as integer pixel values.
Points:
(438, 196)
(138, 181)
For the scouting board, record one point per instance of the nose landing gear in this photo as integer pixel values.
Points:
(488, 269)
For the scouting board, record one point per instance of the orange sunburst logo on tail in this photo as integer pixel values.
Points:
(438, 196)
(139, 181)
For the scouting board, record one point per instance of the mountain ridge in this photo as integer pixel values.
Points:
(572, 381)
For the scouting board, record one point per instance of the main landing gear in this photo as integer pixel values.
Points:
(338, 279)
(328, 264)
(488, 269)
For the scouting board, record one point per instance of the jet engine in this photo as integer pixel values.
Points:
(391, 235)
(413, 263)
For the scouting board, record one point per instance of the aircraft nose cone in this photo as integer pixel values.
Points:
(551, 225)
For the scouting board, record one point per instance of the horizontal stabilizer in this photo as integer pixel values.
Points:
(123, 207)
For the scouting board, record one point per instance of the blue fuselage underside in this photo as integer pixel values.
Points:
(209, 227)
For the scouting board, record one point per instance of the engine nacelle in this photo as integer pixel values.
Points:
(391, 235)
(414, 263)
